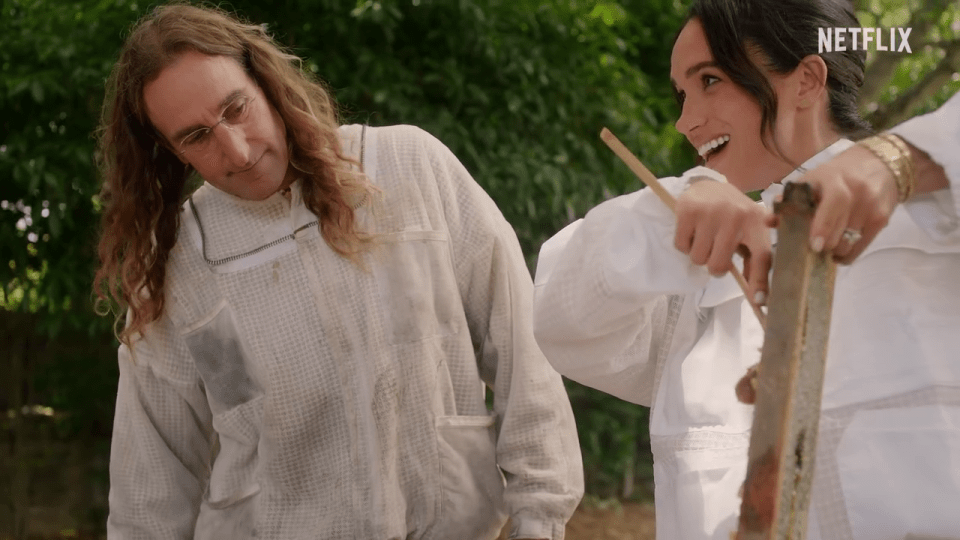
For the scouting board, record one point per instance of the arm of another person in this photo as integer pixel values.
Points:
(537, 445)
(858, 191)
(159, 458)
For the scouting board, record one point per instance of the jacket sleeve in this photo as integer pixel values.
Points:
(602, 286)
(937, 134)
(537, 446)
(161, 446)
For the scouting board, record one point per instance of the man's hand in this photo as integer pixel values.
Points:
(714, 220)
(857, 193)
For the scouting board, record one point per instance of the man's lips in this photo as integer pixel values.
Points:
(250, 168)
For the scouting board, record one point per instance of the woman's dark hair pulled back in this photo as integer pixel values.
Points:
(785, 31)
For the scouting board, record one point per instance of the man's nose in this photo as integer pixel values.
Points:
(233, 145)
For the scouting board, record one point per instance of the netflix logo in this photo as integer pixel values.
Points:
(864, 39)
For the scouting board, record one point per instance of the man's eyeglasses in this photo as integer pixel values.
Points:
(200, 142)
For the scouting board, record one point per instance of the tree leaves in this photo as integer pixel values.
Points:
(518, 89)
(901, 85)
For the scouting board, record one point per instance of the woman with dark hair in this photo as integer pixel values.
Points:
(633, 300)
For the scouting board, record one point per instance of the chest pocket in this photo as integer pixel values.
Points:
(236, 401)
(416, 285)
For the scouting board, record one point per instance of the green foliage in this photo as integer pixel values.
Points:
(901, 85)
(53, 62)
(518, 89)
(615, 443)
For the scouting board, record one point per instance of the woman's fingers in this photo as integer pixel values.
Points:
(757, 272)
(703, 244)
(686, 226)
(714, 220)
(726, 240)
(856, 194)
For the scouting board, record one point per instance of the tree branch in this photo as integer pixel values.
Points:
(882, 68)
(898, 110)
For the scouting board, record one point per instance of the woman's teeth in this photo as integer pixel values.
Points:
(704, 149)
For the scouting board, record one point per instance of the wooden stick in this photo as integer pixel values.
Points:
(783, 437)
(651, 181)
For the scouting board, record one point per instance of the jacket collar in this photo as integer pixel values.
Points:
(776, 189)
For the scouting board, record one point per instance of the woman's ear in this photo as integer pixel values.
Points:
(811, 80)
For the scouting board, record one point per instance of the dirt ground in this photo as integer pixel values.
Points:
(611, 521)
(622, 521)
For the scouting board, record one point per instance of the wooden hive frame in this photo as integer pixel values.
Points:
(783, 440)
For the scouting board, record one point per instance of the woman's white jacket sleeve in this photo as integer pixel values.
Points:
(937, 134)
(601, 286)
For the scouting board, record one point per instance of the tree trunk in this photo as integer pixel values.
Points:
(882, 68)
(900, 108)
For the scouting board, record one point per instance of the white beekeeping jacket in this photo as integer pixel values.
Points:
(618, 308)
(289, 393)
(889, 442)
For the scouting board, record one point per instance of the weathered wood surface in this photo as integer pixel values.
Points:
(776, 494)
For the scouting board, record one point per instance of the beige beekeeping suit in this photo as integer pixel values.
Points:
(289, 393)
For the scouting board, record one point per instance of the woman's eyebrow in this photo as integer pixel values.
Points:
(693, 69)
(698, 66)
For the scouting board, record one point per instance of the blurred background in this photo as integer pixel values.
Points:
(518, 89)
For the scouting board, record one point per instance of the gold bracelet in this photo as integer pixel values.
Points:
(893, 152)
(910, 179)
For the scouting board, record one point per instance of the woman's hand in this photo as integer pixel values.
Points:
(857, 193)
(714, 220)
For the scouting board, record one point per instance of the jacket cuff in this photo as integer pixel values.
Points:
(533, 527)
(701, 173)
(937, 134)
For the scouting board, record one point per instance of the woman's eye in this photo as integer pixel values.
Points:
(709, 79)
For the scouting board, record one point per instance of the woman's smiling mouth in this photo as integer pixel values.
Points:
(712, 146)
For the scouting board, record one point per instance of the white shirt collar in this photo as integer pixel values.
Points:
(774, 190)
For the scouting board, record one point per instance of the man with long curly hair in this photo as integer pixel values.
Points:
(309, 335)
